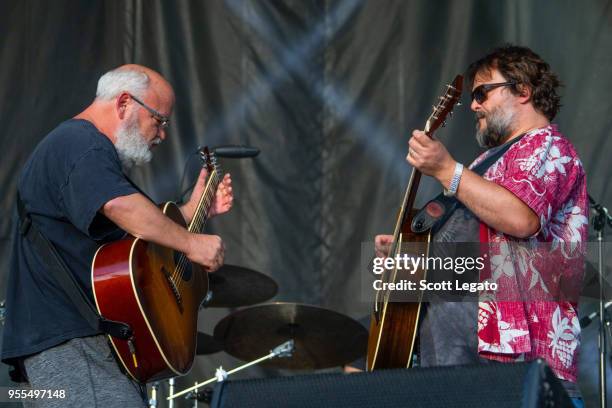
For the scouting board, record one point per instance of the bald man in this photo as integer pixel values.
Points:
(75, 189)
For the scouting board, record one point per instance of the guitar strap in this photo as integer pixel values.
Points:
(60, 271)
(437, 211)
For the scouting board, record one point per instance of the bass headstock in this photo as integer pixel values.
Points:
(445, 105)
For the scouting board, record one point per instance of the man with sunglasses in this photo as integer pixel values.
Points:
(75, 190)
(533, 193)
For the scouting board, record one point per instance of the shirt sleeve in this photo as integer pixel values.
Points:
(542, 173)
(95, 178)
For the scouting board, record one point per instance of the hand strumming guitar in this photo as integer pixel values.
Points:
(382, 244)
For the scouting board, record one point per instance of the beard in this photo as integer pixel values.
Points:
(131, 146)
(499, 126)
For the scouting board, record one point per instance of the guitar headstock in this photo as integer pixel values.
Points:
(445, 105)
(209, 160)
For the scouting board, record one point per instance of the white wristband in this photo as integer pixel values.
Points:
(454, 184)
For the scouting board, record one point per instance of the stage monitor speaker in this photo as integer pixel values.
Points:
(495, 385)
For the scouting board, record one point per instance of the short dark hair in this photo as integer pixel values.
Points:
(526, 68)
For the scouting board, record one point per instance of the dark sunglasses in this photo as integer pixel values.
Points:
(479, 94)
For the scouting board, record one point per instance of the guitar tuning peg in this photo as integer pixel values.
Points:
(450, 114)
(444, 124)
(459, 104)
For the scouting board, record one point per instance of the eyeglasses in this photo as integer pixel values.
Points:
(162, 121)
(479, 94)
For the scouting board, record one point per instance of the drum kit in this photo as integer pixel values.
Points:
(274, 335)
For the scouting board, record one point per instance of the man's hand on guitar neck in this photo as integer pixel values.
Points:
(430, 157)
(224, 198)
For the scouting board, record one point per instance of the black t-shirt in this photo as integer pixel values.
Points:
(70, 175)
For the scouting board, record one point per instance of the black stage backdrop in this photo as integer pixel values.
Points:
(328, 90)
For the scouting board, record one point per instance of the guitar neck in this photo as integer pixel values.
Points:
(435, 120)
(407, 202)
(202, 211)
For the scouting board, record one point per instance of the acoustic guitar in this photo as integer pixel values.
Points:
(157, 291)
(394, 325)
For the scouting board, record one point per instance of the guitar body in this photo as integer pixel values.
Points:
(394, 329)
(136, 282)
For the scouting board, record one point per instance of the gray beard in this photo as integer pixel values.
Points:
(499, 127)
(131, 146)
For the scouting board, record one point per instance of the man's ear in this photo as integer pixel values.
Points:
(121, 104)
(524, 93)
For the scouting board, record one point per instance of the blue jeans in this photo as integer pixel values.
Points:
(578, 402)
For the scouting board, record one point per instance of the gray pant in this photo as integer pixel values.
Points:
(448, 335)
(86, 369)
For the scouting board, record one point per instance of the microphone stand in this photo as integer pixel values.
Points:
(599, 222)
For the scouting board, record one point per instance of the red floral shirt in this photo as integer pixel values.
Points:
(528, 316)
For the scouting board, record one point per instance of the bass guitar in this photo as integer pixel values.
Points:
(157, 291)
(394, 325)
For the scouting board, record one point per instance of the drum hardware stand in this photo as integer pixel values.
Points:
(153, 400)
(2, 311)
(284, 350)
(599, 223)
(171, 391)
(205, 396)
(193, 395)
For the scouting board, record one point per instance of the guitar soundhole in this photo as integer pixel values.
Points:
(184, 265)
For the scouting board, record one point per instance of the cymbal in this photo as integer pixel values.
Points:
(234, 286)
(207, 344)
(323, 338)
